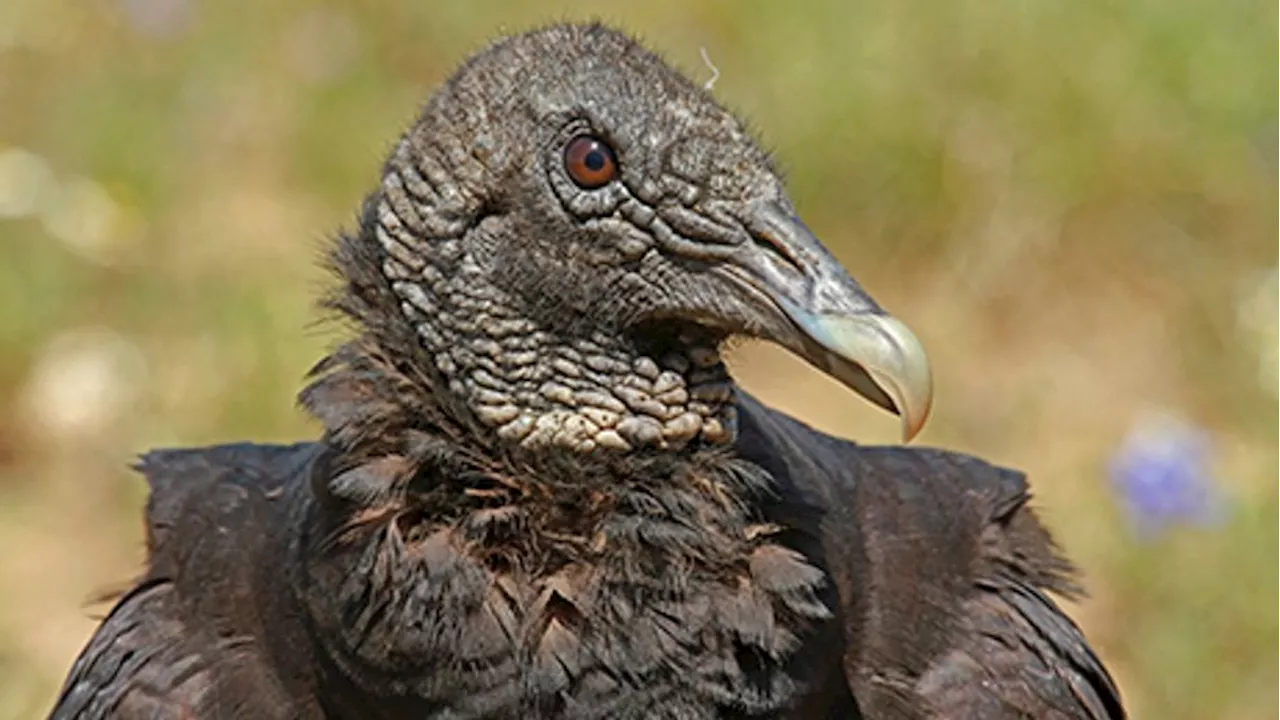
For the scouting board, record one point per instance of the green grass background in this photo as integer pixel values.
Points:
(1073, 203)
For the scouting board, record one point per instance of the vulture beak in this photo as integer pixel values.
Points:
(834, 324)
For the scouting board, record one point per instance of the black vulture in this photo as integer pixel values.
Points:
(539, 493)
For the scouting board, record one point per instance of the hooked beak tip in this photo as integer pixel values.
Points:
(879, 357)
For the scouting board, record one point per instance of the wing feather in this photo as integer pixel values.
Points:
(944, 577)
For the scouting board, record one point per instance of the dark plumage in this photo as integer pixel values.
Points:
(539, 494)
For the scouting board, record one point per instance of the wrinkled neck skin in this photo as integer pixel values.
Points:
(444, 351)
(535, 388)
(538, 386)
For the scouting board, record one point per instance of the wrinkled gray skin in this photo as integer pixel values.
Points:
(538, 495)
(584, 318)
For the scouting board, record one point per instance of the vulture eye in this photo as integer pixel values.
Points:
(589, 161)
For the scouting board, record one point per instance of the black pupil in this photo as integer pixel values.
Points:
(594, 160)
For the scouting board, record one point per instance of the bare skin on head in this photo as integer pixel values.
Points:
(574, 234)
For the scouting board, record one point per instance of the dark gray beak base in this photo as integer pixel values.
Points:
(835, 325)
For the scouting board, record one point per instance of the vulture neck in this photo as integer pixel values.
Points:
(563, 384)
(476, 361)
(410, 448)
(538, 387)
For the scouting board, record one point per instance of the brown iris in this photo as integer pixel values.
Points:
(590, 161)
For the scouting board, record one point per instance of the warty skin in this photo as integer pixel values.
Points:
(584, 317)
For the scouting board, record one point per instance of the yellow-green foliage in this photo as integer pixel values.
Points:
(1073, 203)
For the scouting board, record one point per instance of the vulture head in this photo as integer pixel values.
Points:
(572, 229)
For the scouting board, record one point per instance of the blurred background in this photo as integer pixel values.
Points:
(1073, 204)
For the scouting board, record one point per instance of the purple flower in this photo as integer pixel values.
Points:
(1161, 473)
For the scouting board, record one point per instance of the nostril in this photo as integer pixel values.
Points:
(774, 246)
